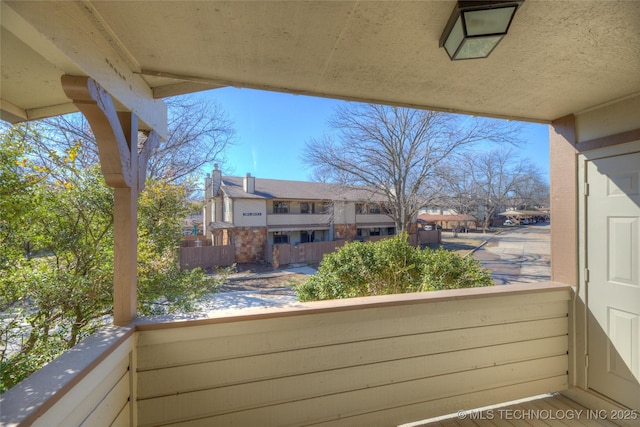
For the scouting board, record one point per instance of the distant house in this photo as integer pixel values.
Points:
(447, 221)
(516, 216)
(251, 213)
(192, 225)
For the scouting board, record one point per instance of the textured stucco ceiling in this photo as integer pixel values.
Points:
(560, 57)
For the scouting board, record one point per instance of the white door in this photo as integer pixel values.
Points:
(613, 288)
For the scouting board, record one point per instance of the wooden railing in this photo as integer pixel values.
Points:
(367, 361)
(91, 384)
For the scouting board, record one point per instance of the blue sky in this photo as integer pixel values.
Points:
(272, 129)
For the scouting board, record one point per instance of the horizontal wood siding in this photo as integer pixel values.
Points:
(360, 365)
(206, 257)
(88, 385)
(100, 398)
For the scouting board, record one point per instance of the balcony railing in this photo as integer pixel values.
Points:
(366, 361)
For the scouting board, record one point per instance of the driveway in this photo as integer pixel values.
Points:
(518, 255)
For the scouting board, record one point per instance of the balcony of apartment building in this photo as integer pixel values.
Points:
(290, 215)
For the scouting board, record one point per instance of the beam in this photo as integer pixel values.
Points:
(11, 113)
(73, 36)
(182, 88)
(113, 147)
(150, 144)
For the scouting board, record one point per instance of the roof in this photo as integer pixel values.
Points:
(525, 213)
(220, 225)
(232, 186)
(432, 218)
(559, 58)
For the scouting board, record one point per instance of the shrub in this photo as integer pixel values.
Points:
(389, 266)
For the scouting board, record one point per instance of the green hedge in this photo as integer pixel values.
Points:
(390, 266)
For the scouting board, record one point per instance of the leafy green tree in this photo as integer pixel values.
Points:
(162, 286)
(56, 272)
(390, 266)
(17, 183)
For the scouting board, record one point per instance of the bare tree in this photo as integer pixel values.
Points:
(199, 133)
(395, 151)
(533, 190)
(496, 175)
(457, 185)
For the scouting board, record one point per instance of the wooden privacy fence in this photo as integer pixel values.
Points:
(428, 237)
(283, 254)
(192, 241)
(279, 255)
(206, 257)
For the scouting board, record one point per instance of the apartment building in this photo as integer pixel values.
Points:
(251, 213)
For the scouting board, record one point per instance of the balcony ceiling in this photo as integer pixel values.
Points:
(559, 57)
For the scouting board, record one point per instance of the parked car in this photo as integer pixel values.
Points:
(508, 222)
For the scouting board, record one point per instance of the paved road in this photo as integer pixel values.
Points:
(518, 255)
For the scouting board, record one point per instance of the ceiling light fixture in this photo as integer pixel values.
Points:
(476, 27)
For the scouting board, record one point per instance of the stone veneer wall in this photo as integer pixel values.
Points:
(250, 243)
(345, 231)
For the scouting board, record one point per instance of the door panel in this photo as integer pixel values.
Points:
(613, 289)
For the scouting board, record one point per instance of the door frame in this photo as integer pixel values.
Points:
(580, 317)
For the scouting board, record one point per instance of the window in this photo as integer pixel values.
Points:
(280, 207)
(307, 207)
(306, 237)
(374, 232)
(368, 208)
(374, 208)
(323, 207)
(391, 231)
(280, 237)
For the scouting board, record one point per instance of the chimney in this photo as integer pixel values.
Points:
(249, 184)
(207, 187)
(216, 181)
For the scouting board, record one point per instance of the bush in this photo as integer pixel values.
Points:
(390, 266)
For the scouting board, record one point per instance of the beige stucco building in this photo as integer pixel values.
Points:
(253, 213)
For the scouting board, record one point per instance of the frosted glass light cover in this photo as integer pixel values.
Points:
(478, 47)
(489, 21)
(455, 38)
